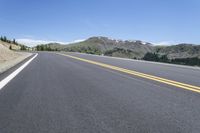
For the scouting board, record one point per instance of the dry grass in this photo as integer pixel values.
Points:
(9, 58)
(14, 46)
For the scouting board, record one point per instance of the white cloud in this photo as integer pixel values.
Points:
(164, 43)
(75, 41)
(32, 42)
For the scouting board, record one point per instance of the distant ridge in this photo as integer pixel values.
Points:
(111, 47)
(128, 48)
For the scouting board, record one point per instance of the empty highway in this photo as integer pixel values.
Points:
(79, 93)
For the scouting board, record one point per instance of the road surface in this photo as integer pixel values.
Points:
(60, 94)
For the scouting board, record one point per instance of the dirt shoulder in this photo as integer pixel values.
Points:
(9, 58)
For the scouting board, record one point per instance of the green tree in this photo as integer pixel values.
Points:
(23, 47)
(164, 58)
(14, 42)
(42, 48)
(10, 47)
(151, 57)
(5, 39)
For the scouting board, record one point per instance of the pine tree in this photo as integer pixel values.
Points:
(10, 47)
(14, 41)
(5, 39)
(23, 47)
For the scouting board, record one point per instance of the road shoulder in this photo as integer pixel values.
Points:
(7, 64)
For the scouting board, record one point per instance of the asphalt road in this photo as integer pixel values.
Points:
(58, 94)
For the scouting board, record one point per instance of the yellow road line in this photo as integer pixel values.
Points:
(139, 74)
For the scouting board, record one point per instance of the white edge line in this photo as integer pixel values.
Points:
(17, 71)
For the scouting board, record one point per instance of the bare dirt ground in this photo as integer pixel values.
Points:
(9, 58)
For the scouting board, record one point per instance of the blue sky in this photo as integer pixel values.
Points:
(156, 21)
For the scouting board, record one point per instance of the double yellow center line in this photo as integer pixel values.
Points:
(139, 74)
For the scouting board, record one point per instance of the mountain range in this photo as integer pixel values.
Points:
(128, 49)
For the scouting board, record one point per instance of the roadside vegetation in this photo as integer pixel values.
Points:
(84, 49)
(5, 39)
(45, 48)
(193, 61)
(13, 43)
(121, 52)
(10, 54)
